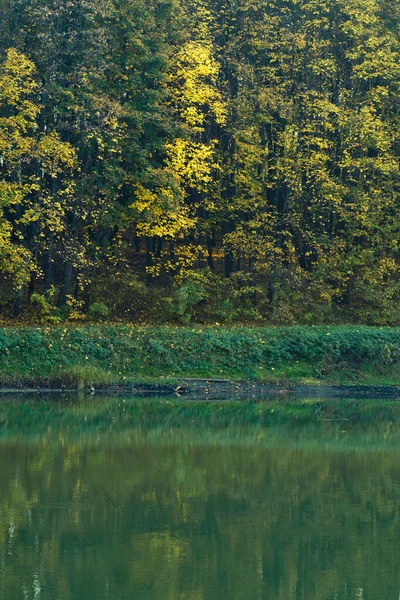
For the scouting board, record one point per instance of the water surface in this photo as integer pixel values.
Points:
(105, 499)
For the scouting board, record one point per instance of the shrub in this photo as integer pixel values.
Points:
(133, 351)
(47, 313)
(184, 298)
(98, 311)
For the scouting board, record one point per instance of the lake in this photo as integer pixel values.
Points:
(123, 498)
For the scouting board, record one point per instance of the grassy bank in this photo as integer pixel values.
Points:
(107, 355)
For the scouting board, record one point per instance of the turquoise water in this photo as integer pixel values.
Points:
(93, 508)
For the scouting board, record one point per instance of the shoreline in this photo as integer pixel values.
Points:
(242, 361)
(189, 388)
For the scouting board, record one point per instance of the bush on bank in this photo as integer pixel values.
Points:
(105, 354)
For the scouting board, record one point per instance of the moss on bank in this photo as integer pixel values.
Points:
(108, 355)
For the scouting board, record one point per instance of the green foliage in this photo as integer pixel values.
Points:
(237, 298)
(98, 311)
(47, 312)
(143, 144)
(122, 292)
(128, 353)
(188, 293)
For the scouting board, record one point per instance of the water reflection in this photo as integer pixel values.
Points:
(287, 511)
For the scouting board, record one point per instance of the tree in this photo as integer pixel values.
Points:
(31, 161)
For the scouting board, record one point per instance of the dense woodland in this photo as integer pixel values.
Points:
(213, 160)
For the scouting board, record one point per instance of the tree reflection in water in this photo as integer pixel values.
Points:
(305, 511)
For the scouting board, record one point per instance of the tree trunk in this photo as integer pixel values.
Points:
(65, 288)
(18, 302)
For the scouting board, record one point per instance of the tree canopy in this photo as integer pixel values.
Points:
(195, 159)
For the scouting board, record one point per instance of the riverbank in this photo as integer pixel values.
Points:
(185, 359)
(214, 390)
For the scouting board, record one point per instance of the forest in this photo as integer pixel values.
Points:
(169, 161)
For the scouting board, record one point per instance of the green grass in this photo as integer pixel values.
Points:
(107, 355)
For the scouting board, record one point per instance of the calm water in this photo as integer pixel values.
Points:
(92, 510)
